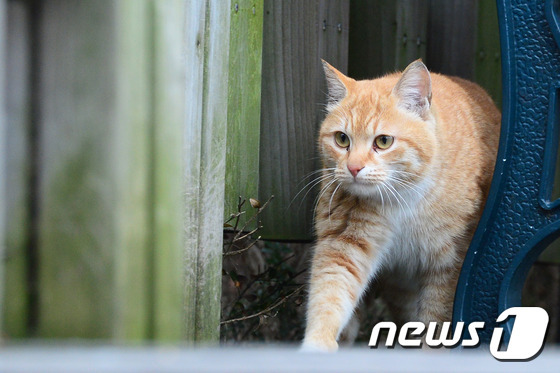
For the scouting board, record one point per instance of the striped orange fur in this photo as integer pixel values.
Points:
(408, 160)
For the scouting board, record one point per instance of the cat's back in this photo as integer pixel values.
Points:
(469, 126)
(457, 98)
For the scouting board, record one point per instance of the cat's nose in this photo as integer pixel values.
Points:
(355, 169)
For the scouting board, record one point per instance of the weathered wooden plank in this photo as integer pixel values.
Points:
(130, 136)
(333, 37)
(93, 129)
(168, 121)
(373, 30)
(207, 50)
(384, 36)
(195, 44)
(487, 60)
(244, 103)
(451, 37)
(3, 194)
(16, 152)
(296, 35)
(412, 30)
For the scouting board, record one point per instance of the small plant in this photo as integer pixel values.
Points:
(262, 282)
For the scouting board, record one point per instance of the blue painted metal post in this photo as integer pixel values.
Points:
(520, 219)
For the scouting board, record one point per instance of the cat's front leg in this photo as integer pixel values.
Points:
(340, 272)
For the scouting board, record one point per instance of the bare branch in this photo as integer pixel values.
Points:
(240, 204)
(233, 216)
(246, 235)
(250, 220)
(266, 310)
(236, 252)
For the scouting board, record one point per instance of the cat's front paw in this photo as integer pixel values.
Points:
(310, 345)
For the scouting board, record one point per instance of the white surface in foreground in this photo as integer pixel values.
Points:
(61, 359)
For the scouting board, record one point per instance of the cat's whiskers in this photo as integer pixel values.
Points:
(322, 192)
(394, 195)
(384, 188)
(309, 186)
(382, 201)
(332, 196)
(398, 196)
(402, 198)
(316, 172)
(413, 175)
(407, 185)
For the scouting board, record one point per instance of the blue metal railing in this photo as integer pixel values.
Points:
(520, 219)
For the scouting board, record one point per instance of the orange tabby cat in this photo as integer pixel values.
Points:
(408, 160)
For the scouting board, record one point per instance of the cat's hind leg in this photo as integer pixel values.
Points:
(437, 293)
(401, 296)
(351, 330)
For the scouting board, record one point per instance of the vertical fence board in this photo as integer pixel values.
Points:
(244, 103)
(296, 35)
(2, 155)
(378, 30)
(93, 138)
(76, 220)
(333, 39)
(487, 61)
(451, 37)
(168, 121)
(373, 30)
(412, 29)
(195, 44)
(131, 151)
(16, 151)
(207, 49)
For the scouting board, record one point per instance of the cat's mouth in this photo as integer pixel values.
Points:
(363, 184)
(368, 180)
(369, 185)
(362, 188)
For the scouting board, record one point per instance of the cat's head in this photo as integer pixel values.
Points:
(378, 139)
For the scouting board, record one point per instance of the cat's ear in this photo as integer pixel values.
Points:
(337, 85)
(414, 89)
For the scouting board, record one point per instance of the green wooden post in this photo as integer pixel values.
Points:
(130, 132)
(17, 164)
(244, 103)
(94, 142)
(205, 136)
(487, 65)
(168, 121)
(2, 155)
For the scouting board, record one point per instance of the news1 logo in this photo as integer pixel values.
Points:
(526, 340)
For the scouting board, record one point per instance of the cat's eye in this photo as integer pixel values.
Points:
(383, 142)
(342, 139)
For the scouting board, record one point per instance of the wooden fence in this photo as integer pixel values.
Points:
(2, 151)
(95, 116)
(132, 126)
